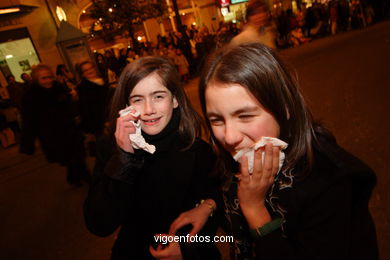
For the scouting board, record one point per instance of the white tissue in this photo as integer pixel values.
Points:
(250, 152)
(137, 140)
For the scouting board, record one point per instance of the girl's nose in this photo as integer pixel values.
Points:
(149, 107)
(233, 136)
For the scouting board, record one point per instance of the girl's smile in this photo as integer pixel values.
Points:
(237, 119)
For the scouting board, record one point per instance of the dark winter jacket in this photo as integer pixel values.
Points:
(93, 105)
(49, 115)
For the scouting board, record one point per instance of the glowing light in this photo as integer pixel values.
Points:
(139, 38)
(193, 23)
(234, 21)
(60, 13)
(84, 11)
(9, 56)
(9, 10)
(100, 19)
(183, 14)
(110, 10)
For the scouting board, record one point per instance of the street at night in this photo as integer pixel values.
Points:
(346, 81)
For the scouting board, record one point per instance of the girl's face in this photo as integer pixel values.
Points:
(154, 102)
(236, 117)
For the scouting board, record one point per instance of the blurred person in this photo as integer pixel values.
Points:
(171, 52)
(16, 91)
(112, 62)
(106, 73)
(66, 78)
(309, 202)
(131, 56)
(141, 193)
(48, 115)
(94, 96)
(182, 65)
(259, 27)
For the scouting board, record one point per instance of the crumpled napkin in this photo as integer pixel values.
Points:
(137, 140)
(250, 152)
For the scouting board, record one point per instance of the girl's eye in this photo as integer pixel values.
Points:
(135, 100)
(215, 121)
(159, 97)
(245, 117)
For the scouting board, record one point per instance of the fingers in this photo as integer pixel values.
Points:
(178, 223)
(268, 161)
(129, 117)
(244, 166)
(124, 127)
(266, 166)
(275, 161)
(258, 163)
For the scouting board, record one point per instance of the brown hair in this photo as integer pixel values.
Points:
(258, 69)
(190, 123)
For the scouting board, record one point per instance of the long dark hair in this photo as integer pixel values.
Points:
(190, 123)
(258, 69)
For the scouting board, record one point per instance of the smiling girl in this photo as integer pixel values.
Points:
(316, 206)
(142, 193)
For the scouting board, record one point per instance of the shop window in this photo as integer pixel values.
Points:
(17, 53)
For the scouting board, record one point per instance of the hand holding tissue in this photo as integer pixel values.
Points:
(250, 152)
(137, 140)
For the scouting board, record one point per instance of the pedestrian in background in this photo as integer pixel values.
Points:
(259, 27)
(66, 78)
(48, 115)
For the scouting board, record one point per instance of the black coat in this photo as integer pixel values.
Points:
(327, 215)
(143, 193)
(93, 105)
(49, 115)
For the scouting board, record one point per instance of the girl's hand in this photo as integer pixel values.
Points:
(197, 217)
(123, 128)
(252, 188)
(170, 252)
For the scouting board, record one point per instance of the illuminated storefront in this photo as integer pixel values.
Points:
(17, 52)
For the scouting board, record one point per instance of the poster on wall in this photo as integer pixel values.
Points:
(25, 65)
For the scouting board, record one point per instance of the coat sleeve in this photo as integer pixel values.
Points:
(108, 202)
